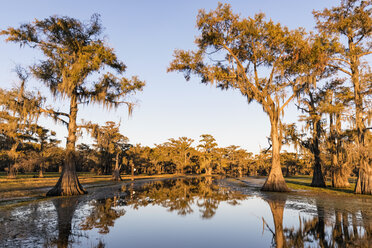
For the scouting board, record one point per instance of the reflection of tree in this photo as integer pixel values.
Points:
(179, 195)
(65, 207)
(367, 223)
(103, 215)
(277, 203)
(341, 233)
(312, 231)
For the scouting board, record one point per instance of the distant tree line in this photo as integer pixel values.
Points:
(112, 154)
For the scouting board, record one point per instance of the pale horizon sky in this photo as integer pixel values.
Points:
(144, 35)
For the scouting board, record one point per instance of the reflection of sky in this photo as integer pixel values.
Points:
(144, 35)
(154, 226)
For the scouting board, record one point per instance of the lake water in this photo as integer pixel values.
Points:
(196, 212)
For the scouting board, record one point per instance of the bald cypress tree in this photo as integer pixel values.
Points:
(310, 105)
(257, 57)
(74, 52)
(180, 152)
(352, 22)
(336, 101)
(207, 148)
(110, 145)
(19, 112)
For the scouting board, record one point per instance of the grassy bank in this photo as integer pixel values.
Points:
(304, 182)
(29, 185)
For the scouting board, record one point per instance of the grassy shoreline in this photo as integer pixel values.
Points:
(300, 183)
(29, 187)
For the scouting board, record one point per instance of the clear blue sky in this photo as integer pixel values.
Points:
(144, 35)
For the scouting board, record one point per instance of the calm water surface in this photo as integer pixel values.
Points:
(197, 212)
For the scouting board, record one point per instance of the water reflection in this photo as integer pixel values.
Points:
(318, 231)
(199, 206)
(277, 203)
(65, 207)
(179, 196)
(103, 215)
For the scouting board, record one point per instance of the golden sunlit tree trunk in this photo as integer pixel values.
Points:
(116, 172)
(275, 181)
(68, 183)
(340, 173)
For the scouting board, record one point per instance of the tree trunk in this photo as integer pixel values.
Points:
(12, 173)
(41, 172)
(108, 160)
(339, 171)
(275, 181)
(364, 181)
(318, 179)
(116, 173)
(287, 173)
(132, 168)
(68, 183)
(339, 179)
(208, 171)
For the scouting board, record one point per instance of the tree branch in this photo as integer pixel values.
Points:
(252, 86)
(341, 69)
(288, 101)
(343, 60)
(56, 115)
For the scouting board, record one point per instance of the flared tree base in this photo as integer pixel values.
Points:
(275, 183)
(340, 182)
(67, 186)
(68, 183)
(318, 184)
(116, 176)
(318, 181)
(364, 182)
(318, 178)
